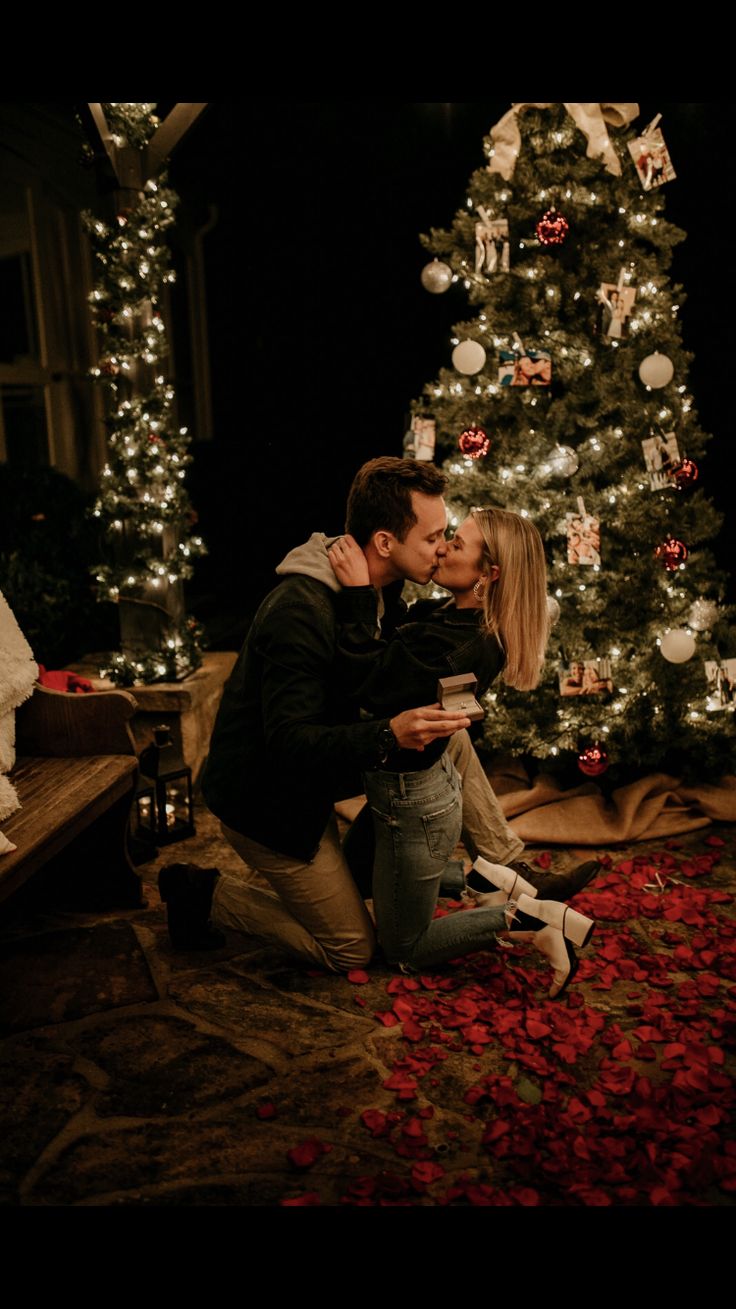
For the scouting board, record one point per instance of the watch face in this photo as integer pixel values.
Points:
(387, 739)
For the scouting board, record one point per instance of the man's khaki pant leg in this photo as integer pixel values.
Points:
(313, 910)
(485, 830)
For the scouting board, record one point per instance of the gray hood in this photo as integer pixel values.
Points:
(311, 560)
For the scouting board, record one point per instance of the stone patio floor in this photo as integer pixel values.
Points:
(135, 1076)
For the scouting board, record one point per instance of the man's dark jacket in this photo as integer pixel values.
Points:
(286, 742)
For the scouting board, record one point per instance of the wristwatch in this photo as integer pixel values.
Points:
(386, 742)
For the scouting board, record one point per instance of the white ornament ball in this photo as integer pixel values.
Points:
(562, 461)
(553, 610)
(703, 615)
(677, 646)
(656, 370)
(436, 277)
(468, 357)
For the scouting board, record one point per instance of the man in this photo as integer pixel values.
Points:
(286, 744)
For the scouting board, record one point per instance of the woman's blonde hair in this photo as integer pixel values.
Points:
(515, 605)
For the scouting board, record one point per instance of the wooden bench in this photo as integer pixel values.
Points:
(75, 775)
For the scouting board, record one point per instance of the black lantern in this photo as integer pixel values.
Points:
(164, 798)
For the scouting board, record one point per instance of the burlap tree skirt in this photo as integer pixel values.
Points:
(542, 813)
(651, 808)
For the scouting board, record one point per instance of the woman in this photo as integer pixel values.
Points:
(495, 624)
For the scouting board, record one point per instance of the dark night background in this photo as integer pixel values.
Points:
(320, 331)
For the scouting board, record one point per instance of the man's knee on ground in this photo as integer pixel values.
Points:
(345, 955)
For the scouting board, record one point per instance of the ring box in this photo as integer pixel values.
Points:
(458, 695)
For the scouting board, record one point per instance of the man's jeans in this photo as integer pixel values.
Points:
(418, 820)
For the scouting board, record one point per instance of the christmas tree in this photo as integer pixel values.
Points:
(568, 402)
(143, 505)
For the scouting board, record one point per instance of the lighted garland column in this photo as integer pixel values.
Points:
(142, 505)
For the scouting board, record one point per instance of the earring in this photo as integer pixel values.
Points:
(478, 590)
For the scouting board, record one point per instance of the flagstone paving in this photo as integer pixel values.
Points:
(135, 1076)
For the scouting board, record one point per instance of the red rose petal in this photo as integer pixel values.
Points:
(618, 1081)
(413, 1127)
(358, 977)
(400, 1082)
(266, 1110)
(647, 1033)
(402, 1008)
(477, 1034)
(622, 1051)
(375, 1121)
(497, 1129)
(388, 1018)
(307, 1153)
(537, 1030)
(468, 1008)
(566, 1052)
(592, 1196)
(425, 1173)
(308, 1198)
(412, 1031)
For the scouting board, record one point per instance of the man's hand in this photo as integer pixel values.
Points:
(415, 728)
(349, 564)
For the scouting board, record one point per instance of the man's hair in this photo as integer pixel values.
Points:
(380, 496)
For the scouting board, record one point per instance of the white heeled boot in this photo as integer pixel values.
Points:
(573, 925)
(510, 884)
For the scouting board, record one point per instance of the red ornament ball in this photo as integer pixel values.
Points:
(684, 473)
(593, 760)
(671, 553)
(474, 442)
(552, 228)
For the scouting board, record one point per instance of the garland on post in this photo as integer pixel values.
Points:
(142, 505)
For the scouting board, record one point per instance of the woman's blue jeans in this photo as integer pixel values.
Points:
(417, 819)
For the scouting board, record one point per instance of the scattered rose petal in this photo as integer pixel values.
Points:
(426, 1173)
(412, 1031)
(476, 1034)
(307, 1153)
(375, 1121)
(388, 1018)
(537, 1030)
(524, 1195)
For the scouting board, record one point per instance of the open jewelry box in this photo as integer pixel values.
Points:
(458, 694)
